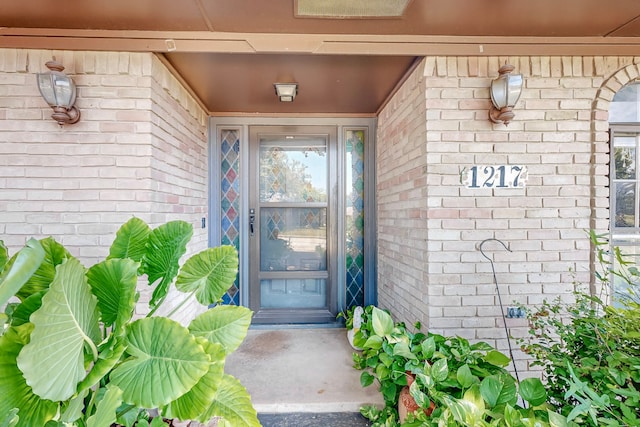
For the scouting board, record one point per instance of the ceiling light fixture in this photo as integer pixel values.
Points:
(350, 8)
(505, 92)
(59, 91)
(286, 91)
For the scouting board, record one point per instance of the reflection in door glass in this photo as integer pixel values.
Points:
(293, 239)
(293, 170)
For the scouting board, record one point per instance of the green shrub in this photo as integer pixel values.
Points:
(589, 351)
(586, 349)
(457, 383)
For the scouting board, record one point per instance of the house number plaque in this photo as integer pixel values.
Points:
(499, 176)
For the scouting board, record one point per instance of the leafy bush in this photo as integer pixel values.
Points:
(72, 355)
(456, 383)
(590, 351)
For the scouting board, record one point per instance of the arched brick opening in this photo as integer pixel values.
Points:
(600, 151)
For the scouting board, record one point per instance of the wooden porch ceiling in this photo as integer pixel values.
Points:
(230, 52)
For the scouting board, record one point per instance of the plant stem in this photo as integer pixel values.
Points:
(175, 309)
(183, 302)
(125, 409)
(156, 307)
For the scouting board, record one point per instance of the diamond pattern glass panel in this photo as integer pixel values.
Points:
(355, 217)
(293, 239)
(230, 202)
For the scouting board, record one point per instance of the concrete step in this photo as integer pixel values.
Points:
(300, 370)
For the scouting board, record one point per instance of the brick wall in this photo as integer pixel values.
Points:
(430, 267)
(140, 149)
(403, 243)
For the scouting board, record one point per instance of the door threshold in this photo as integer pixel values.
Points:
(274, 326)
(281, 316)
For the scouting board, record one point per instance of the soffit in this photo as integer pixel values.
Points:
(230, 52)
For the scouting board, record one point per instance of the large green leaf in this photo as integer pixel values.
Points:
(20, 269)
(366, 379)
(224, 324)
(166, 362)
(465, 377)
(113, 282)
(74, 408)
(233, 403)
(497, 358)
(106, 409)
(402, 349)
(165, 246)
(490, 388)
(558, 420)
(532, 390)
(373, 342)
(467, 411)
(428, 348)
(440, 370)
(23, 311)
(381, 321)
(499, 389)
(4, 255)
(54, 255)
(9, 419)
(65, 324)
(512, 416)
(131, 240)
(14, 390)
(421, 398)
(209, 273)
(190, 405)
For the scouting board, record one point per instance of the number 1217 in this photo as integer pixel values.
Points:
(503, 176)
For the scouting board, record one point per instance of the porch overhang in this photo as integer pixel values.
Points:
(230, 53)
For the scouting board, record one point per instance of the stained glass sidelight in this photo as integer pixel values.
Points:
(355, 217)
(230, 201)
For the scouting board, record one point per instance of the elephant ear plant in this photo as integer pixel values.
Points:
(71, 353)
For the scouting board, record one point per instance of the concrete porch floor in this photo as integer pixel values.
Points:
(300, 370)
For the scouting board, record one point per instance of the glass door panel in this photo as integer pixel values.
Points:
(293, 239)
(290, 278)
(293, 169)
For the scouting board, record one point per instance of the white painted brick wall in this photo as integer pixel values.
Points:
(559, 133)
(139, 150)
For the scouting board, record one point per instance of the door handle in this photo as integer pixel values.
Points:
(252, 220)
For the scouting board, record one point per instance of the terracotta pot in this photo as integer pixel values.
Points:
(407, 404)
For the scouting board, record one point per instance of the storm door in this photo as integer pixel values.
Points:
(292, 224)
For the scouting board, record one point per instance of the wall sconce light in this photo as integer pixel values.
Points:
(59, 91)
(505, 92)
(286, 91)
